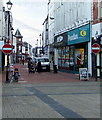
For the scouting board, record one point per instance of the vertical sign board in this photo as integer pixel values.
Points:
(83, 74)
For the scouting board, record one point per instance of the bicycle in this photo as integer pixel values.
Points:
(14, 76)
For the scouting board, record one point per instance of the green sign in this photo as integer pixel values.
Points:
(79, 35)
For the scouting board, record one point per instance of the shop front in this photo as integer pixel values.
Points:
(77, 44)
(60, 44)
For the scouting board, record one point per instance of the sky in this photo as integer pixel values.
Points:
(28, 17)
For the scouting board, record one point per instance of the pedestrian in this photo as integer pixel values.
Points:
(23, 61)
(29, 63)
(39, 67)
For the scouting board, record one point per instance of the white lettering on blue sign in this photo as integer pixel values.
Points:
(73, 37)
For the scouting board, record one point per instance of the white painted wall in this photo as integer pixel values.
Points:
(89, 59)
(56, 57)
(51, 22)
(23, 49)
(1, 19)
(96, 27)
(68, 14)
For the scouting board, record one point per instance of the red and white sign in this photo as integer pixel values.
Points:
(95, 48)
(7, 49)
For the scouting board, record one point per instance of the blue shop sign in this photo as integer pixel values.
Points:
(79, 35)
(45, 48)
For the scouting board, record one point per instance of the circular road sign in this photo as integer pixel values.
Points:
(7, 49)
(95, 48)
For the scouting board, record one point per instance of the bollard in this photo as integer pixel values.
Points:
(55, 68)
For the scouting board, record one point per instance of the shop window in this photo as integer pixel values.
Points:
(59, 58)
(80, 58)
(67, 58)
(63, 57)
(71, 58)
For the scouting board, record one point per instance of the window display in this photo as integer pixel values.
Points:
(71, 58)
(79, 58)
(59, 57)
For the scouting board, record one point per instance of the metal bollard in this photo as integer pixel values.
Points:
(55, 68)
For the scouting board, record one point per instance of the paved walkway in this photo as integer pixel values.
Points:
(50, 95)
(44, 77)
(51, 100)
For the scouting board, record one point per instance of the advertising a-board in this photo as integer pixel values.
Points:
(83, 74)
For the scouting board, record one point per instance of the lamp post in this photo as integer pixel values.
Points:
(37, 42)
(40, 44)
(40, 39)
(9, 6)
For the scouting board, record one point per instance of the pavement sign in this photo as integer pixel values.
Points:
(83, 74)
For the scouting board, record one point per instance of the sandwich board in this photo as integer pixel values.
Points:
(83, 74)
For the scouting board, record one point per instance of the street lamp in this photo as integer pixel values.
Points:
(40, 44)
(40, 39)
(9, 6)
(37, 42)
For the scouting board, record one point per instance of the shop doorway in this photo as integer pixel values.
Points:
(101, 63)
(80, 56)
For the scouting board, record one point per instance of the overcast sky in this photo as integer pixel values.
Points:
(28, 17)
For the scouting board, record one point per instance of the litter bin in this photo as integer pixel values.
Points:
(55, 68)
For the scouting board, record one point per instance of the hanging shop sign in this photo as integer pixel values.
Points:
(79, 35)
(83, 74)
(45, 49)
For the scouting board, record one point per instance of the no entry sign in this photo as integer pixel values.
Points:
(95, 48)
(7, 49)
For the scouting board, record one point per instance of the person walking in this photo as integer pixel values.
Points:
(39, 67)
(29, 63)
(23, 61)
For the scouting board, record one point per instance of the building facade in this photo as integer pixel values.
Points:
(45, 38)
(19, 44)
(1, 34)
(73, 51)
(6, 33)
(71, 29)
(97, 38)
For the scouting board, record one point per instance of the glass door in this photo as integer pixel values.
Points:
(101, 62)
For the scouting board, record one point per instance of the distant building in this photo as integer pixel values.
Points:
(19, 44)
(37, 51)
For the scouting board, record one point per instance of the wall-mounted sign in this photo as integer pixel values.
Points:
(60, 38)
(79, 35)
(83, 74)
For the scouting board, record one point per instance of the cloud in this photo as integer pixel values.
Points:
(25, 26)
(28, 16)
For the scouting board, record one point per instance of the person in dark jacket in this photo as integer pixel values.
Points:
(39, 67)
(29, 63)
